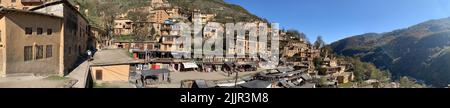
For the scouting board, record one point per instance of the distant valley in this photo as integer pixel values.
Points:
(421, 51)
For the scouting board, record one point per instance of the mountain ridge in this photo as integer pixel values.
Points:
(419, 51)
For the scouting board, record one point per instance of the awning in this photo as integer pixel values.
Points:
(190, 65)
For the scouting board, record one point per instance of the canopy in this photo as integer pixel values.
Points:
(190, 65)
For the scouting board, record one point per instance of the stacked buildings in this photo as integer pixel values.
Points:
(158, 12)
(335, 71)
(123, 27)
(300, 54)
(296, 53)
(203, 18)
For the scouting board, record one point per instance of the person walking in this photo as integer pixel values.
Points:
(89, 53)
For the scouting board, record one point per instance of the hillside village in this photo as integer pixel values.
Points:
(137, 48)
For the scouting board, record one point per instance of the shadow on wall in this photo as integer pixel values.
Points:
(89, 80)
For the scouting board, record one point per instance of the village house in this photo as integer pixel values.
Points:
(76, 32)
(143, 49)
(162, 20)
(161, 14)
(300, 54)
(123, 27)
(203, 18)
(23, 4)
(52, 45)
(345, 77)
(211, 61)
(160, 51)
(170, 46)
(112, 66)
(158, 16)
(29, 46)
(330, 66)
(136, 45)
(295, 47)
(171, 36)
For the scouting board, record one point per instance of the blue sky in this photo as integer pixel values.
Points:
(337, 19)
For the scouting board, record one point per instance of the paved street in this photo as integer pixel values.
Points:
(118, 84)
(33, 82)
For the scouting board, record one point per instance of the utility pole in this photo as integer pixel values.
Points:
(236, 78)
(147, 58)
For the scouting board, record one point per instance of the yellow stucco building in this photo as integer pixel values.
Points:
(46, 40)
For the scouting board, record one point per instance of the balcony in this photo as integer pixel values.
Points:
(127, 26)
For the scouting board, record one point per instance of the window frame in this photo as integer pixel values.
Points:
(99, 74)
(39, 31)
(48, 51)
(39, 52)
(28, 31)
(28, 56)
(49, 31)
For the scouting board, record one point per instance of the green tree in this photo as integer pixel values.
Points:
(365, 71)
(317, 63)
(320, 81)
(407, 82)
(137, 16)
(319, 42)
(296, 35)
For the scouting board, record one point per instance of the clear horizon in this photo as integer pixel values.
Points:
(339, 19)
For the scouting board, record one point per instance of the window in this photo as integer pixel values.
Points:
(79, 49)
(150, 47)
(28, 30)
(39, 51)
(28, 53)
(70, 50)
(49, 51)
(40, 31)
(49, 31)
(98, 74)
